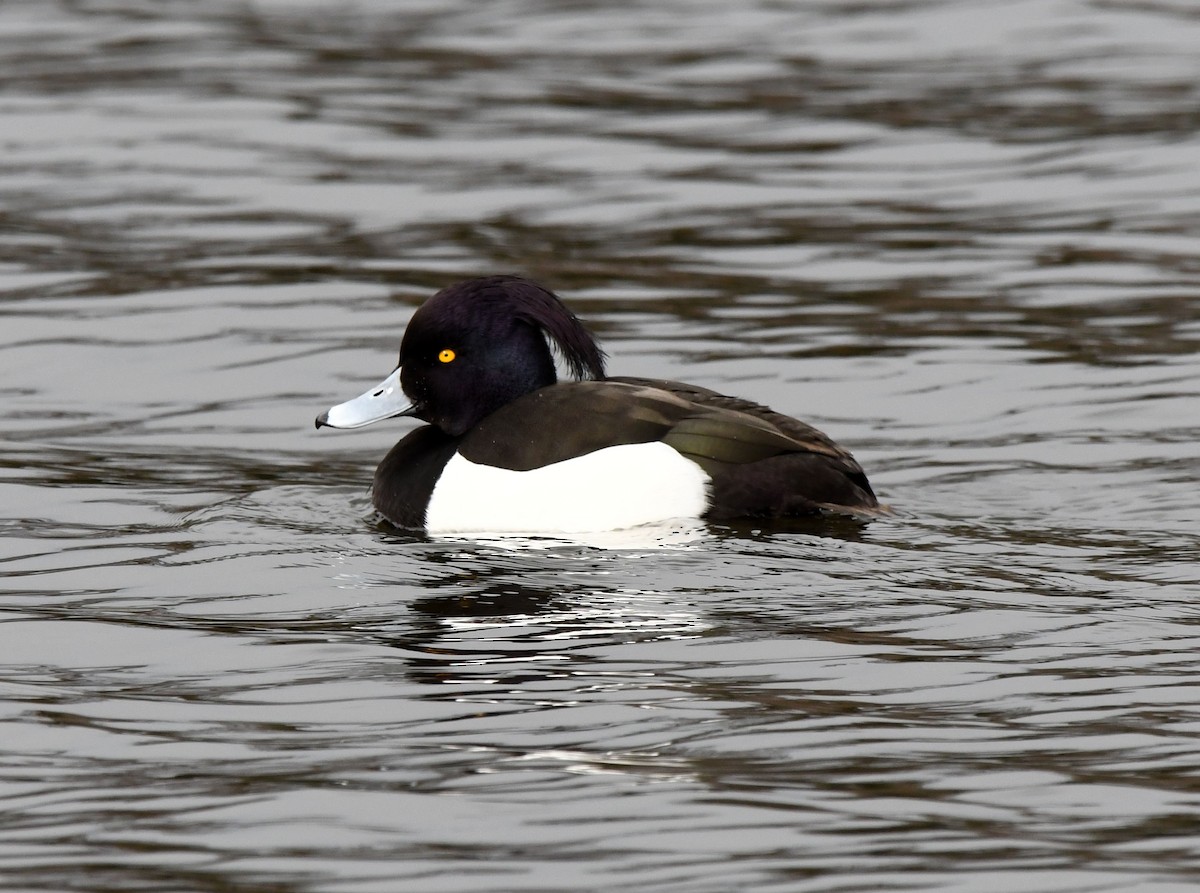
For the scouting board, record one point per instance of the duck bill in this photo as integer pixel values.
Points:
(384, 401)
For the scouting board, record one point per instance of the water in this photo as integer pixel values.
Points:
(960, 238)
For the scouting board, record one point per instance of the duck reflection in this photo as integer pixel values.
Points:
(489, 615)
(505, 611)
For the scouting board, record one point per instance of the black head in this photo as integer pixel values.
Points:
(482, 343)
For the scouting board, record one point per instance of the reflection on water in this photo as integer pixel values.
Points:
(960, 239)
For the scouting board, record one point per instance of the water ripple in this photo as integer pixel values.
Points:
(960, 239)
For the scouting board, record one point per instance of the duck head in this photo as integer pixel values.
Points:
(469, 350)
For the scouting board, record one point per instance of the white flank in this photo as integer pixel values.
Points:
(610, 489)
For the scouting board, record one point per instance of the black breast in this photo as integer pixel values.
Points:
(405, 478)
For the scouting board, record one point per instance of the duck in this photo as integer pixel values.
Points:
(508, 447)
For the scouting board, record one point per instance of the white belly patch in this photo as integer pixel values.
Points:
(609, 489)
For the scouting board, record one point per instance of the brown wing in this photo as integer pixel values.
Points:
(742, 415)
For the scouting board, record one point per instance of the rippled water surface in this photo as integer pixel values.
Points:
(960, 237)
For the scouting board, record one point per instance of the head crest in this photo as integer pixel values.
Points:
(544, 310)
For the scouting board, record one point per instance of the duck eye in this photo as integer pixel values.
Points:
(447, 356)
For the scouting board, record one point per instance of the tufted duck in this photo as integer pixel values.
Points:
(509, 448)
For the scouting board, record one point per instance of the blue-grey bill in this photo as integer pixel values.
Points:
(384, 401)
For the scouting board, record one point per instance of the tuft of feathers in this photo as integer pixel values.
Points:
(544, 310)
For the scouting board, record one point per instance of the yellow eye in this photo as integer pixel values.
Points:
(446, 356)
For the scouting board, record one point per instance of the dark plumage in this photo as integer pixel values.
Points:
(476, 365)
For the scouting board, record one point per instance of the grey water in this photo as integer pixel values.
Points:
(961, 238)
